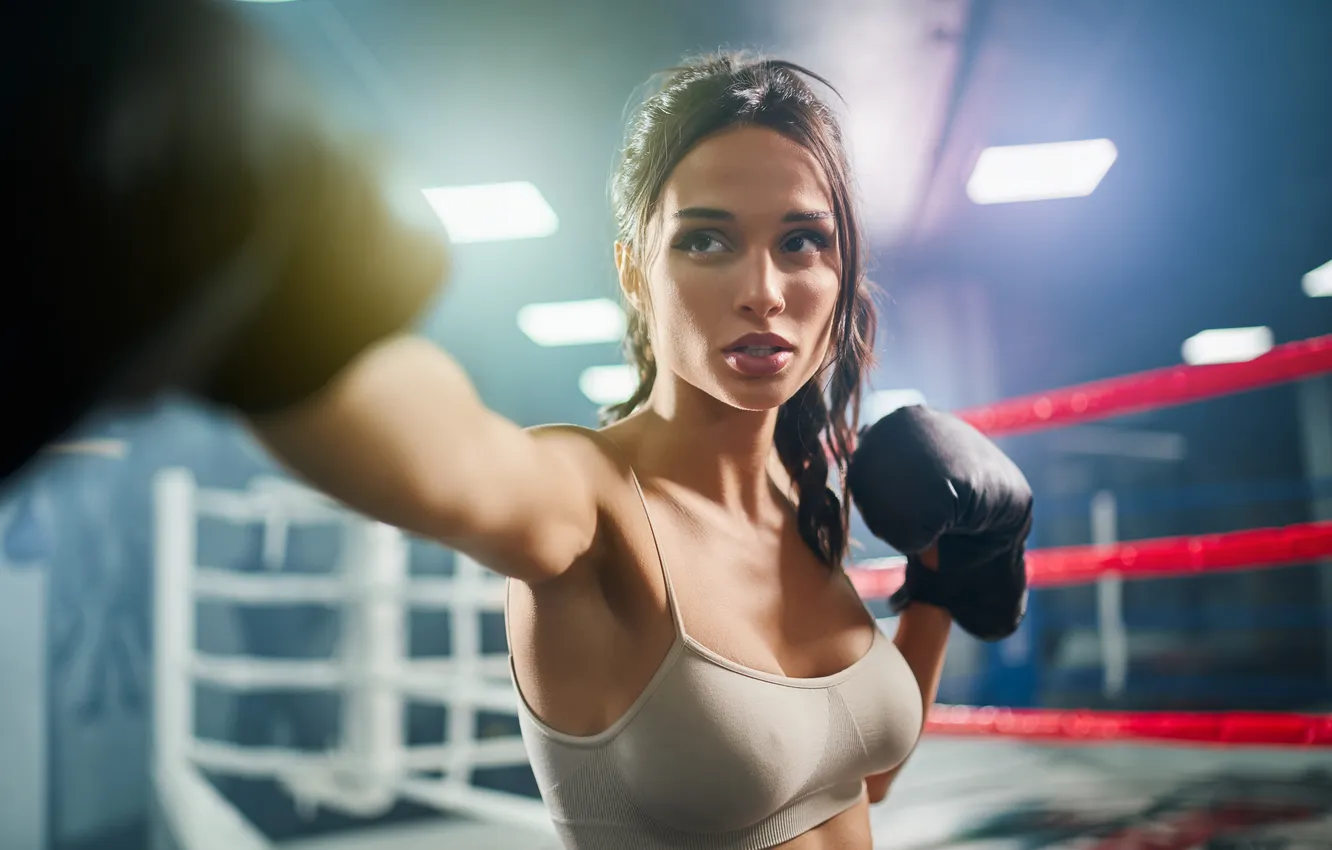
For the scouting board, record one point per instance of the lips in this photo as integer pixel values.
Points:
(759, 355)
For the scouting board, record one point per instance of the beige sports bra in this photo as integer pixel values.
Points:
(716, 755)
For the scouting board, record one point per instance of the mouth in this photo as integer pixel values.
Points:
(760, 345)
(759, 355)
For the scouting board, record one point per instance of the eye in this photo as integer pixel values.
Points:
(700, 242)
(805, 242)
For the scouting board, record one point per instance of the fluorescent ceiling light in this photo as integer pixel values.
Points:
(608, 384)
(573, 322)
(493, 212)
(1318, 283)
(1227, 345)
(880, 403)
(1040, 172)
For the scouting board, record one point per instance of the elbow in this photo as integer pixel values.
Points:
(876, 787)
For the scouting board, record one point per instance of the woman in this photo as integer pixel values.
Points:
(695, 668)
(712, 670)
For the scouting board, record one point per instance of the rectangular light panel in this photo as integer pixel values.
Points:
(1227, 345)
(493, 212)
(1318, 283)
(573, 322)
(1005, 175)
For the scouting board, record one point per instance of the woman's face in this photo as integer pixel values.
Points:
(744, 274)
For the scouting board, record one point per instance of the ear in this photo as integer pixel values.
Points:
(630, 276)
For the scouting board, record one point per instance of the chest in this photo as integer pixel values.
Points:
(715, 751)
(758, 596)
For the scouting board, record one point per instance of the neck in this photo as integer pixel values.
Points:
(722, 453)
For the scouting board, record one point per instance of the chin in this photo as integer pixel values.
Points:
(757, 394)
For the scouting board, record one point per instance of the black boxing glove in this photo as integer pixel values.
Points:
(920, 477)
(187, 219)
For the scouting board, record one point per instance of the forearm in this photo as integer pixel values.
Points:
(402, 436)
(922, 638)
(385, 432)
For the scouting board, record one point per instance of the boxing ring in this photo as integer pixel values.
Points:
(370, 768)
(970, 748)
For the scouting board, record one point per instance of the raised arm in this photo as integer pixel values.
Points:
(922, 638)
(940, 492)
(401, 436)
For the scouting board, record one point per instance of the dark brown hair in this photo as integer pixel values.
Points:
(691, 103)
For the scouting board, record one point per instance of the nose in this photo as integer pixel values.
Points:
(760, 288)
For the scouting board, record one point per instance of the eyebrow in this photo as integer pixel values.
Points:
(712, 214)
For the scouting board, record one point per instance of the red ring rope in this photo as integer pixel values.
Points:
(1153, 389)
(1085, 726)
(1166, 556)
(1264, 547)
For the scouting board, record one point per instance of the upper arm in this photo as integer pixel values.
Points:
(402, 437)
(535, 507)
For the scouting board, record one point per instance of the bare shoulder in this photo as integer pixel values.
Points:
(594, 453)
(600, 459)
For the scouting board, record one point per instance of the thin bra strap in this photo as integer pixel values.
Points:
(508, 637)
(661, 561)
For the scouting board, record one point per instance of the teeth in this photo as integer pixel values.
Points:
(759, 352)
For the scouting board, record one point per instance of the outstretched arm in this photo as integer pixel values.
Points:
(400, 435)
(193, 223)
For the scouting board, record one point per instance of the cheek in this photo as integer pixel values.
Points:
(690, 297)
(813, 296)
(681, 306)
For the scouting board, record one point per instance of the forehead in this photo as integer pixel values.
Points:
(749, 172)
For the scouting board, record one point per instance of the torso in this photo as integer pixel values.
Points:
(587, 644)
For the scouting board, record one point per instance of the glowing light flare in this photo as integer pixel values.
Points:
(608, 384)
(880, 403)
